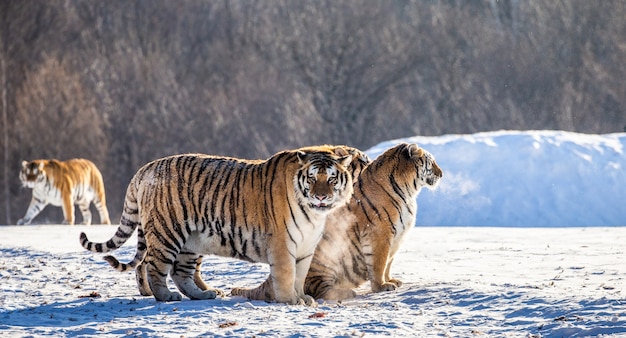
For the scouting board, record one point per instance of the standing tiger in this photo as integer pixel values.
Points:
(362, 237)
(270, 211)
(64, 183)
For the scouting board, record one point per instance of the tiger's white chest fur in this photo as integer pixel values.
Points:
(404, 224)
(309, 233)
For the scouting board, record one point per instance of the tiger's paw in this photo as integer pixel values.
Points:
(207, 294)
(308, 301)
(339, 294)
(170, 297)
(238, 292)
(397, 282)
(247, 293)
(218, 292)
(21, 221)
(387, 286)
(144, 291)
(305, 300)
(253, 294)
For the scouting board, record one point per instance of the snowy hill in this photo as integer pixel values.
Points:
(532, 178)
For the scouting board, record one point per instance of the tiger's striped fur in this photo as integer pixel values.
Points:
(362, 237)
(64, 183)
(188, 264)
(269, 211)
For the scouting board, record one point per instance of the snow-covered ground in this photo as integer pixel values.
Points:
(559, 272)
(460, 282)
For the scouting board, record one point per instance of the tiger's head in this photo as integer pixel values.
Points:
(359, 162)
(323, 181)
(419, 165)
(32, 173)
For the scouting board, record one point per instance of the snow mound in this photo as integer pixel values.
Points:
(530, 178)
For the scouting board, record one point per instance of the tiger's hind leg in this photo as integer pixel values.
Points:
(323, 284)
(85, 212)
(197, 276)
(270, 290)
(338, 294)
(186, 276)
(142, 280)
(101, 206)
(158, 265)
(265, 291)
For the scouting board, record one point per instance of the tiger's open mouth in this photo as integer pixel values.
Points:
(28, 184)
(320, 206)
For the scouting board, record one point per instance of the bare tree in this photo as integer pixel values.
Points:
(124, 82)
(5, 125)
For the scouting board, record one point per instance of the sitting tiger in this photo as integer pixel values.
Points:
(362, 237)
(270, 211)
(64, 183)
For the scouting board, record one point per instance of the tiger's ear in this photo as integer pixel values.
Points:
(415, 151)
(340, 151)
(24, 164)
(345, 161)
(41, 164)
(302, 156)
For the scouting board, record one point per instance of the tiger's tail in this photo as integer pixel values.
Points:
(139, 254)
(129, 222)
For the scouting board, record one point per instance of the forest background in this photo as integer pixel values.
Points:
(125, 82)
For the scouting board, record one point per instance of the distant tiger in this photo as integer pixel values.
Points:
(270, 211)
(64, 183)
(362, 237)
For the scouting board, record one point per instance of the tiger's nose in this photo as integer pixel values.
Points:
(320, 197)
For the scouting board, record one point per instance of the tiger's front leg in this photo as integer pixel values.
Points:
(378, 267)
(68, 209)
(283, 275)
(34, 208)
(302, 269)
(397, 282)
(280, 282)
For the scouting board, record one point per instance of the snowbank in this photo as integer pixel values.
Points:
(532, 178)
